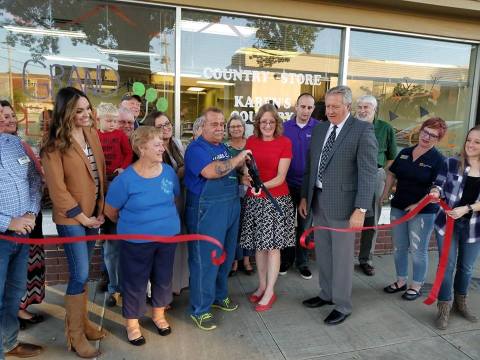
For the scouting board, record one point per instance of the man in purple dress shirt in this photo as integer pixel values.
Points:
(299, 130)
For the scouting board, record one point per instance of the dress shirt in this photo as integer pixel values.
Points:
(20, 183)
(330, 129)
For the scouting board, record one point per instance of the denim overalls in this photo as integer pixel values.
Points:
(215, 212)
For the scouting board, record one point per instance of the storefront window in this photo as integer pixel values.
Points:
(240, 63)
(414, 79)
(105, 48)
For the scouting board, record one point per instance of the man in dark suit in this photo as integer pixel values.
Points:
(338, 188)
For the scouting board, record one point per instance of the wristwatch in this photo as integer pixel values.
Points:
(469, 207)
(362, 210)
(31, 213)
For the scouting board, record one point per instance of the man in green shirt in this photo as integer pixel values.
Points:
(387, 150)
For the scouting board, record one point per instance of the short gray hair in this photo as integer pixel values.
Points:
(124, 110)
(198, 123)
(235, 116)
(345, 91)
(369, 99)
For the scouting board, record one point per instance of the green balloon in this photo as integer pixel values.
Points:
(162, 104)
(151, 95)
(138, 88)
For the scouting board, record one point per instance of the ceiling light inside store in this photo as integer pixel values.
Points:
(46, 32)
(127, 52)
(268, 52)
(195, 89)
(220, 83)
(217, 29)
(71, 59)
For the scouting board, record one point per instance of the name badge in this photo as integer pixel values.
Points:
(24, 160)
(425, 165)
(403, 157)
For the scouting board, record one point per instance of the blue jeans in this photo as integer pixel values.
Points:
(413, 235)
(111, 256)
(462, 256)
(13, 283)
(208, 282)
(78, 256)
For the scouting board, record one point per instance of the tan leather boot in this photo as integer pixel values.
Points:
(91, 329)
(75, 327)
(441, 322)
(460, 305)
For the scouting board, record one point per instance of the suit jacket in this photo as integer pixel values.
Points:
(349, 178)
(70, 180)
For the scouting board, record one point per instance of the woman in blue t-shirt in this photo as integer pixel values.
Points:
(142, 201)
(414, 170)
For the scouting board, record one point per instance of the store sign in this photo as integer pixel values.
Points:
(263, 76)
(248, 103)
(60, 76)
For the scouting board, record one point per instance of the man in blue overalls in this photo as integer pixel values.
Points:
(212, 208)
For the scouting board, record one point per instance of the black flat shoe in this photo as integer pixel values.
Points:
(315, 302)
(411, 294)
(35, 319)
(393, 288)
(138, 341)
(335, 318)
(164, 331)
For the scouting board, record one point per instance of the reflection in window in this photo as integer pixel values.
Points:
(101, 47)
(414, 79)
(240, 63)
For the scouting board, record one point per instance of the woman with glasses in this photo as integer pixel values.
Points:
(173, 156)
(263, 229)
(414, 170)
(236, 144)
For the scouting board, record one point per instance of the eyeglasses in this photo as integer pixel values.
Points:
(429, 135)
(236, 127)
(265, 123)
(163, 126)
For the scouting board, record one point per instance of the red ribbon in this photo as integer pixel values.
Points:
(442, 265)
(163, 239)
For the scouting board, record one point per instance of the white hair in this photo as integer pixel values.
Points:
(369, 99)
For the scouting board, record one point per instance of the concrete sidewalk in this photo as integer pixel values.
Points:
(382, 326)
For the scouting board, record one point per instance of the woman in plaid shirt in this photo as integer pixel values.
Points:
(459, 184)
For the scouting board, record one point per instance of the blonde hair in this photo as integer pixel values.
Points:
(106, 109)
(143, 135)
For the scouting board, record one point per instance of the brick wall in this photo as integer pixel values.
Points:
(57, 269)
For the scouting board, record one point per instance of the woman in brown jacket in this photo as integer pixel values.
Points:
(74, 167)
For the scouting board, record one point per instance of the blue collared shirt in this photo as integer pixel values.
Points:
(20, 183)
(300, 138)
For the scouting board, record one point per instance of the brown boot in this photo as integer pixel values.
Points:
(75, 327)
(91, 329)
(460, 305)
(441, 322)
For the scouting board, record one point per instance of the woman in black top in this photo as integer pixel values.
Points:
(414, 170)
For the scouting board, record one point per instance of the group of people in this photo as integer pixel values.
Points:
(101, 173)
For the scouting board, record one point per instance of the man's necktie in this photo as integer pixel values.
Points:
(325, 152)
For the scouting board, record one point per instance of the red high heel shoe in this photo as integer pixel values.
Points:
(255, 298)
(267, 306)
